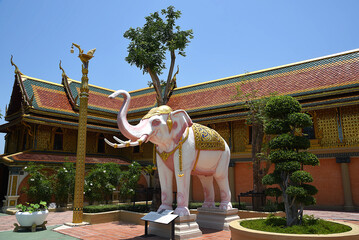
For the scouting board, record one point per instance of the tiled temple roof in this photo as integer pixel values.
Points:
(310, 77)
(313, 82)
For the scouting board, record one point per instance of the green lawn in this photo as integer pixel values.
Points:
(310, 225)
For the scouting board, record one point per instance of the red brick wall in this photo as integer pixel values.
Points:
(243, 173)
(328, 180)
(354, 179)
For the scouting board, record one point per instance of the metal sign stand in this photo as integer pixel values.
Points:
(163, 217)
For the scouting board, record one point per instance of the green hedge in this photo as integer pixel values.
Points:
(111, 207)
(141, 207)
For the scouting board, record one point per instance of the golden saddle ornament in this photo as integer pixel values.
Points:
(207, 138)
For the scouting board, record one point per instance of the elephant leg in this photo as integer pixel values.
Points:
(223, 185)
(183, 193)
(208, 191)
(165, 176)
(221, 177)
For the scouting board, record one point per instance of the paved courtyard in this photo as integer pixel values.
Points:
(120, 230)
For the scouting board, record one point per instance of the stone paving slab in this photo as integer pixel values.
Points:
(119, 230)
(352, 216)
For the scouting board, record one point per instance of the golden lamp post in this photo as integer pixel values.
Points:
(81, 139)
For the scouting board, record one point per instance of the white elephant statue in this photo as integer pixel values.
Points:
(183, 148)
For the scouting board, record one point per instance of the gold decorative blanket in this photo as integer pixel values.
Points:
(206, 138)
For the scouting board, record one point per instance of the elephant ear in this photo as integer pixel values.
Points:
(180, 122)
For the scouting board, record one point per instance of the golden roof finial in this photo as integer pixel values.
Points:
(17, 71)
(63, 71)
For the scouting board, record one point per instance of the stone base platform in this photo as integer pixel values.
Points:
(216, 218)
(185, 228)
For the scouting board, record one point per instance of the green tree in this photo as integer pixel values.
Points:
(39, 184)
(285, 121)
(114, 173)
(129, 179)
(64, 184)
(98, 185)
(150, 44)
(103, 179)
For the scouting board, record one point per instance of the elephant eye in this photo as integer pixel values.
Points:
(156, 122)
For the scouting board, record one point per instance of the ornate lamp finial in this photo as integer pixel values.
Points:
(84, 57)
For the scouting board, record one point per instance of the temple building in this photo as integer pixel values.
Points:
(42, 124)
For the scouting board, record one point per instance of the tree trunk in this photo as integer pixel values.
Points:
(291, 210)
(169, 79)
(156, 86)
(258, 187)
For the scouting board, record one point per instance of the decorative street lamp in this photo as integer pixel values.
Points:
(81, 139)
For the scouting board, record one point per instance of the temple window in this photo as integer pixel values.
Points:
(58, 139)
(101, 144)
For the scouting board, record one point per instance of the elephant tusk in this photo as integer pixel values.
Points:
(110, 143)
(115, 145)
(142, 139)
(127, 143)
(119, 140)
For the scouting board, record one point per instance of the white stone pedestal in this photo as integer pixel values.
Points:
(185, 228)
(215, 218)
(9, 202)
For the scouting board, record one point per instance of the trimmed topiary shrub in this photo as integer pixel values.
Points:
(288, 155)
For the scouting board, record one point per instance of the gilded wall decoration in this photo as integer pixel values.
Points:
(240, 138)
(44, 137)
(91, 142)
(70, 140)
(328, 126)
(223, 130)
(350, 122)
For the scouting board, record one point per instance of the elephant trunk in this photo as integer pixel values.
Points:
(131, 132)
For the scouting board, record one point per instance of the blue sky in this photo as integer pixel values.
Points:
(230, 37)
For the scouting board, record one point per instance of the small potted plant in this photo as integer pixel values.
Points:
(31, 214)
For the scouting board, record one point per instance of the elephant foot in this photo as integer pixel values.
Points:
(164, 207)
(182, 211)
(208, 205)
(225, 205)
